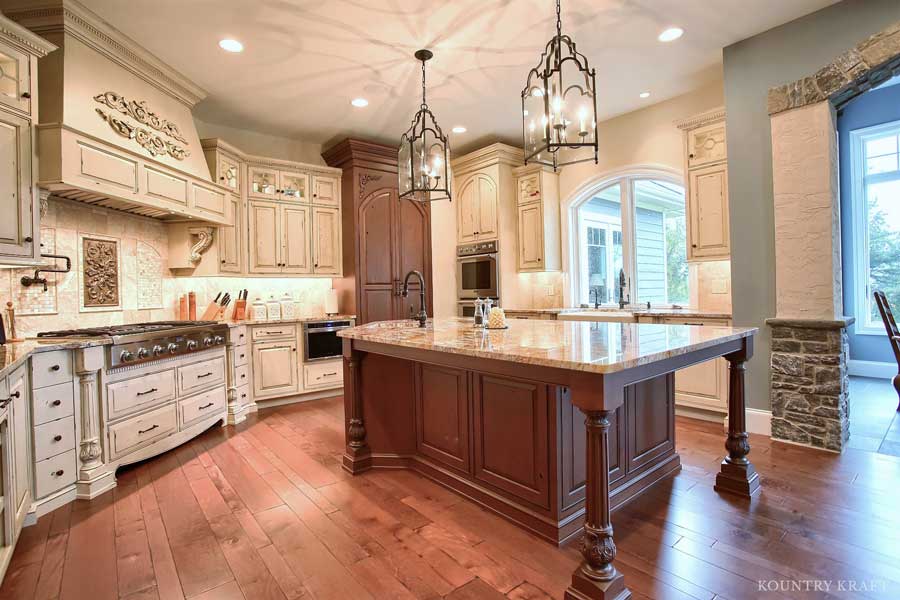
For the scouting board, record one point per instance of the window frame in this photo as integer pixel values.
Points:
(625, 179)
(859, 205)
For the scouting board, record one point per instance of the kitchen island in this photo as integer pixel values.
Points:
(491, 415)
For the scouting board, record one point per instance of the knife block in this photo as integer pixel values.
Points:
(213, 312)
(240, 311)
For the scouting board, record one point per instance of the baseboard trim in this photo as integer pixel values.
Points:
(261, 404)
(871, 368)
(759, 422)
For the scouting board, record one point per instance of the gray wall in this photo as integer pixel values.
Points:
(752, 66)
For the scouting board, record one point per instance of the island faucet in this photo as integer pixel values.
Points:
(422, 315)
(623, 302)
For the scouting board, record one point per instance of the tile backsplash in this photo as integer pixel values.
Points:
(148, 290)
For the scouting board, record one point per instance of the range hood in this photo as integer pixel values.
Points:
(116, 128)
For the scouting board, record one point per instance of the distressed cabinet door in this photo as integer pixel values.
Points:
(15, 79)
(325, 190)
(16, 190)
(21, 445)
(229, 243)
(265, 239)
(531, 236)
(487, 208)
(326, 241)
(293, 186)
(275, 367)
(706, 145)
(709, 236)
(468, 211)
(295, 230)
(263, 183)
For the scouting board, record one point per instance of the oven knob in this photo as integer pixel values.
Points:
(126, 356)
(192, 345)
(207, 341)
(218, 340)
(157, 350)
(172, 348)
(142, 353)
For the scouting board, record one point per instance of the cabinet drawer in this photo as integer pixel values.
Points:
(54, 438)
(328, 374)
(50, 368)
(241, 356)
(132, 395)
(238, 336)
(197, 408)
(51, 403)
(242, 395)
(242, 375)
(139, 431)
(201, 375)
(54, 473)
(274, 332)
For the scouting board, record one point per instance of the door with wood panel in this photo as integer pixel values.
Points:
(709, 237)
(531, 236)
(265, 238)
(16, 226)
(295, 230)
(413, 238)
(376, 280)
(488, 201)
(326, 227)
(442, 413)
(468, 211)
(275, 369)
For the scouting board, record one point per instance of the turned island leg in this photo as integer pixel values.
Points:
(596, 578)
(737, 474)
(357, 455)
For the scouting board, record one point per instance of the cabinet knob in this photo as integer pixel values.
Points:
(57, 438)
(54, 368)
(316, 265)
(59, 473)
(56, 402)
(693, 245)
(29, 239)
(15, 394)
(691, 155)
(539, 260)
(26, 95)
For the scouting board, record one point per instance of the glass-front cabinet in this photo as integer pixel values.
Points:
(293, 186)
(263, 183)
(15, 79)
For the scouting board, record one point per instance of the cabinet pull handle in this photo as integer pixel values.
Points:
(144, 393)
(204, 375)
(205, 406)
(56, 402)
(243, 395)
(143, 431)
(4, 402)
(15, 395)
(59, 473)
(57, 438)
(270, 333)
(54, 368)
(328, 374)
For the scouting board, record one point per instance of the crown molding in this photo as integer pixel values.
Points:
(360, 152)
(704, 118)
(493, 154)
(28, 41)
(264, 161)
(73, 18)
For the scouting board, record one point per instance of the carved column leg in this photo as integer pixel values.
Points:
(88, 362)
(596, 578)
(737, 474)
(357, 456)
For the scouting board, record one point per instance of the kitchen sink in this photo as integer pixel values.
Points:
(604, 316)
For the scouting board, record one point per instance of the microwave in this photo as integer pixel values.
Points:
(477, 271)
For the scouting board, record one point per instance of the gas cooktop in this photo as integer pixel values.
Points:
(121, 330)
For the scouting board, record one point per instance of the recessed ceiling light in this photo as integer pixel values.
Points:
(459, 129)
(644, 94)
(230, 45)
(359, 102)
(671, 34)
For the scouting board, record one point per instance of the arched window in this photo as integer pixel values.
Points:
(632, 224)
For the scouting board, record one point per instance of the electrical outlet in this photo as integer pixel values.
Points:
(551, 291)
(719, 286)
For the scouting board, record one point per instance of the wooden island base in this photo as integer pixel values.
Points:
(514, 446)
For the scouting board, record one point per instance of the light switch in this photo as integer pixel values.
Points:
(719, 286)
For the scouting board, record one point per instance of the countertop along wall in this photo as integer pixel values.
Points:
(752, 66)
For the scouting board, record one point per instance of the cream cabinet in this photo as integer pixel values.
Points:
(230, 238)
(326, 190)
(15, 461)
(275, 368)
(706, 182)
(538, 229)
(19, 201)
(326, 246)
(8, 532)
(478, 209)
(280, 238)
(273, 184)
(294, 227)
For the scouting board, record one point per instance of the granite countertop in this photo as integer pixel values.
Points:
(595, 347)
(294, 320)
(14, 354)
(695, 313)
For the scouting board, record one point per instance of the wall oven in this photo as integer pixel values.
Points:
(477, 271)
(321, 341)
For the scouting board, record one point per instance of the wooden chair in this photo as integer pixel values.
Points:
(890, 325)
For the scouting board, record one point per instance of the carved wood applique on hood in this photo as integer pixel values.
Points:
(154, 144)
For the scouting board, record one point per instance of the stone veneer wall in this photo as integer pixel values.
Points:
(810, 383)
(148, 290)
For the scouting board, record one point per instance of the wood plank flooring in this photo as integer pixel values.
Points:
(264, 511)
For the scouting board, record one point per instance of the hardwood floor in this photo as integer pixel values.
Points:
(264, 511)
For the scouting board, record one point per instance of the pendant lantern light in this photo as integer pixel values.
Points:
(424, 154)
(559, 107)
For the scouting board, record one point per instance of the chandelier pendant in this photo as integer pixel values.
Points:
(559, 105)
(424, 153)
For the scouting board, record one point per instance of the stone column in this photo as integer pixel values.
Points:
(88, 362)
(810, 384)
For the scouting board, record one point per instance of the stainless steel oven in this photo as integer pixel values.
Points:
(477, 271)
(321, 341)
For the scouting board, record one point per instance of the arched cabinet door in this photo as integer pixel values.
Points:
(478, 206)
(413, 253)
(377, 280)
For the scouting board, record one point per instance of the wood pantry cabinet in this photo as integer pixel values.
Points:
(19, 201)
(706, 186)
(511, 444)
(383, 237)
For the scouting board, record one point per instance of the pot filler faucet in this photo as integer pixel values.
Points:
(421, 316)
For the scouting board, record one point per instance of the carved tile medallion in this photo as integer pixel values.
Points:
(100, 268)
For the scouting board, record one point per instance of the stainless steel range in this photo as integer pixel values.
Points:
(143, 342)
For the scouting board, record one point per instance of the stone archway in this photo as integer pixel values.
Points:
(809, 385)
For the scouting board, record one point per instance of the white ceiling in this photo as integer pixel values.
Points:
(304, 60)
